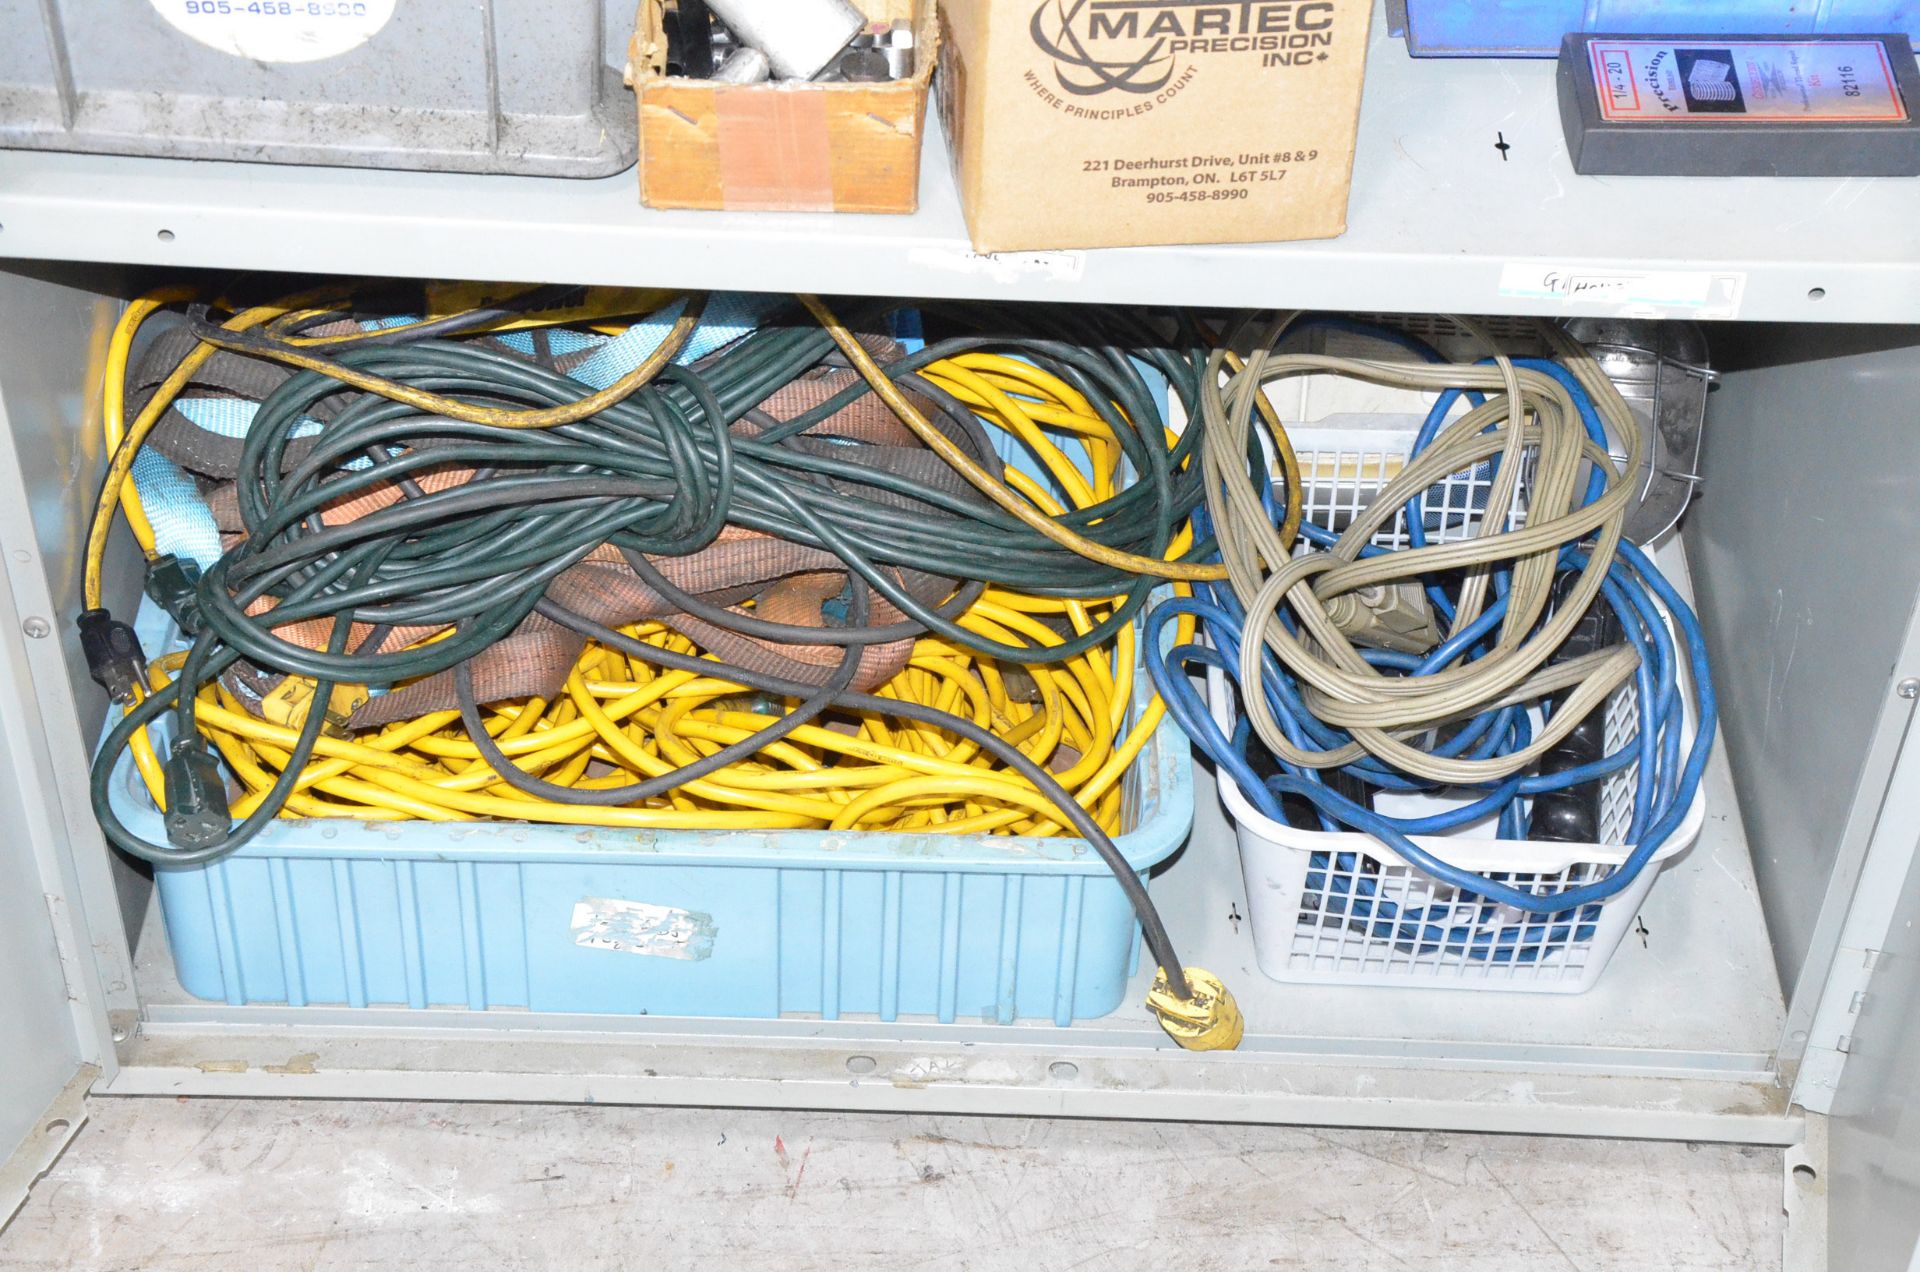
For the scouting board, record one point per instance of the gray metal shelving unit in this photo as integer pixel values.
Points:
(1443, 219)
(1772, 973)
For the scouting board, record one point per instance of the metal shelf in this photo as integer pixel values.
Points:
(1443, 218)
(1630, 1057)
(1702, 915)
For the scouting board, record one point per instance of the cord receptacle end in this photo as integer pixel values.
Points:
(1396, 616)
(1209, 1020)
(198, 815)
(174, 586)
(114, 657)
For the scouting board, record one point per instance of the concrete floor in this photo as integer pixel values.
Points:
(240, 1184)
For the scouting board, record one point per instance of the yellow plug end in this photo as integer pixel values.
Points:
(1209, 1021)
(290, 700)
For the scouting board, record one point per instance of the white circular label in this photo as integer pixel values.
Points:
(279, 30)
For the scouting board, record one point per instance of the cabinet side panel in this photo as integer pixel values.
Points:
(54, 327)
(1805, 549)
(1873, 1173)
(39, 1052)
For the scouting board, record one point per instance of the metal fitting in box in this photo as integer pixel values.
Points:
(786, 145)
(799, 37)
(743, 66)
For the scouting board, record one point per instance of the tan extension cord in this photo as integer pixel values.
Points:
(1341, 688)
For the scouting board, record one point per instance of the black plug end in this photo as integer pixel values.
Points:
(114, 657)
(174, 586)
(197, 811)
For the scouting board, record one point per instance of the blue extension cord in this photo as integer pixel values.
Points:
(1664, 794)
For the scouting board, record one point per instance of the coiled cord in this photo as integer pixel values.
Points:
(1344, 689)
(1456, 714)
(628, 717)
(654, 466)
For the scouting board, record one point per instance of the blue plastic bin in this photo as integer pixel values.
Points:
(1532, 28)
(683, 923)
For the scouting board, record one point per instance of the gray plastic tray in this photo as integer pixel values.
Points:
(504, 86)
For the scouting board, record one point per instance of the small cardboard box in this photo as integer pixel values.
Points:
(1115, 123)
(793, 146)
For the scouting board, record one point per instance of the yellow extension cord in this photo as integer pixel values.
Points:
(1006, 491)
(621, 719)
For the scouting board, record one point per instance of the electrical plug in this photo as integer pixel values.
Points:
(1394, 616)
(114, 657)
(1210, 1020)
(198, 815)
(174, 586)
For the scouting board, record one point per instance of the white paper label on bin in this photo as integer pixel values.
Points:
(279, 30)
(636, 927)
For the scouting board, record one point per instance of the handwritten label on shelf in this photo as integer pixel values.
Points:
(1003, 267)
(1628, 293)
(635, 927)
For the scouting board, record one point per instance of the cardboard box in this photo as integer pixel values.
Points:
(781, 146)
(1114, 123)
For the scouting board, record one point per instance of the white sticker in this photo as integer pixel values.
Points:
(634, 927)
(1003, 267)
(1628, 293)
(279, 30)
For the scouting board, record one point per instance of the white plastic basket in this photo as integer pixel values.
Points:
(1341, 908)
